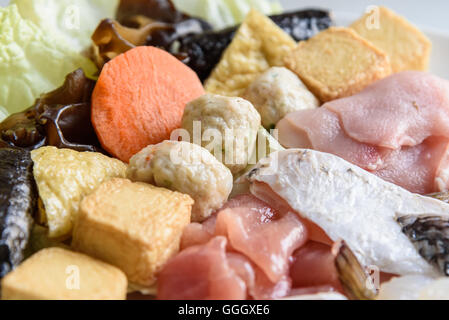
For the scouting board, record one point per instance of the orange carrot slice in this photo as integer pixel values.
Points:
(140, 98)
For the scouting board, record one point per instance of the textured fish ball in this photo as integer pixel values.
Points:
(186, 168)
(277, 93)
(228, 128)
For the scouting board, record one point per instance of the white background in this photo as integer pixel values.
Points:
(424, 13)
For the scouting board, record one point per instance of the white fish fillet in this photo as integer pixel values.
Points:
(351, 204)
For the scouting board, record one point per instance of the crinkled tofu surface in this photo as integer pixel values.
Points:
(64, 177)
(258, 45)
(59, 274)
(134, 226)
(337, 63)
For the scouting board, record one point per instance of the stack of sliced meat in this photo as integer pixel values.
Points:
(247, 250)
(398, 129)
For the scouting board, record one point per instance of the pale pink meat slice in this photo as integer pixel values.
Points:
(398, 129)
(198, 233)
(201, 273)
(267, 237)
(263, 191)
(320, 129)
(260, 242)
(268, 241)
(401, 110)
(314, 266)
(259, 286)
(419, 169)
(209, 272)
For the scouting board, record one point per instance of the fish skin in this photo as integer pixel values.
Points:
(17, 204)
(351, 204)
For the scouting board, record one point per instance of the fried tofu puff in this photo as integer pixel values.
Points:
(225, 126)
(186, 168)
(136, 227)
(277, 93)
(60, 274)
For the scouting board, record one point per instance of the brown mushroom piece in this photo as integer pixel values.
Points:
(69, 126)
(161, 10)
(60, 118)
(143, 22)
(112, 39)
(21, 130)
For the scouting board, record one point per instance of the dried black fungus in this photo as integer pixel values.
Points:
(69, 126)
(21, 130)
(60, 118)
(353, 277)
(143, 22)
(304, 24)
(430, 235)
(204, 50)
(159, 10)
(17, 203)
(112, 39)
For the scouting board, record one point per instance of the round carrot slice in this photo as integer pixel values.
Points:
(139, 100)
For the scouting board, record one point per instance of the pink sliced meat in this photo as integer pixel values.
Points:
(267, 237)
(320, 129)
(201, 273)
(259, 286)
(198, 233)
(397, 128)
(208, 272)
(263, 191)
(255, 245)
(401, 110)
(313, 266)
(419, 169)
(267, 240)
(442, 173)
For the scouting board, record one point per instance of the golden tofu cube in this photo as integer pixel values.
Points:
(407, 47)
(64, 177)
(258, 45)
(60, 274)
(134, 226)
(337, 63)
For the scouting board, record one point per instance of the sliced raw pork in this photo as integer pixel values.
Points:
(401, 110)
(201, 273)
(314, 266)
(397, 128)
(247, 242)
(320, 129)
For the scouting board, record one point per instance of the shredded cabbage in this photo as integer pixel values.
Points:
(225, 13)
(72, 21)
(32, 61)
